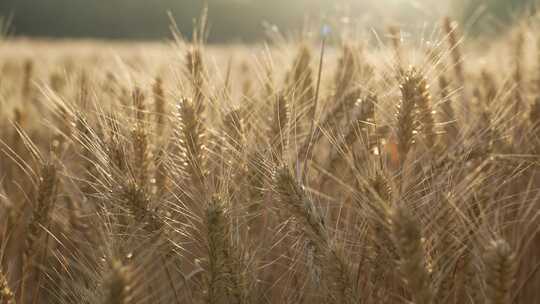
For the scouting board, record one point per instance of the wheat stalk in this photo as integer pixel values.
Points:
(407, 238)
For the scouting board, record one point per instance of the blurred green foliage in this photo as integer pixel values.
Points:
(148, 19)
(492, 16)
(4, 26)
(243, 20)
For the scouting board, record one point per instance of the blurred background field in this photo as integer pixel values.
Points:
(245, 20)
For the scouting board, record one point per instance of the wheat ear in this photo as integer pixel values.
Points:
(118, 289)
(501, 265)
(6, 295)
(190, 135)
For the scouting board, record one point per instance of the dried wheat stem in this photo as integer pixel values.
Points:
(28, 71)
(457, 61)
(407, 238)
(451, 35)
(534, 121)
(233, 124)
(278, 131)
(519, 53)
(395, 37)
(447, 112)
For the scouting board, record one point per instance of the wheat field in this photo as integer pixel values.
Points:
(378, 168)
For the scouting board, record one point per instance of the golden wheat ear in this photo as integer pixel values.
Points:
(118, 284)
(425, 113)
(160, 106)
(190, 141)
(405, 114)
(44, 201)
(6, 295)
(347, 72)
(196, 74)
(327, 260)
(499, 277)
(218, 250)
(301, 88)
(142, 152)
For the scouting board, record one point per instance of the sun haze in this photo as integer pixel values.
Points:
(261, 152)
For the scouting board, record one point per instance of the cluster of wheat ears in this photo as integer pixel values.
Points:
(356, 174)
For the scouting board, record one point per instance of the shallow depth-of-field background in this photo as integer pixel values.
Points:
(390, 164)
